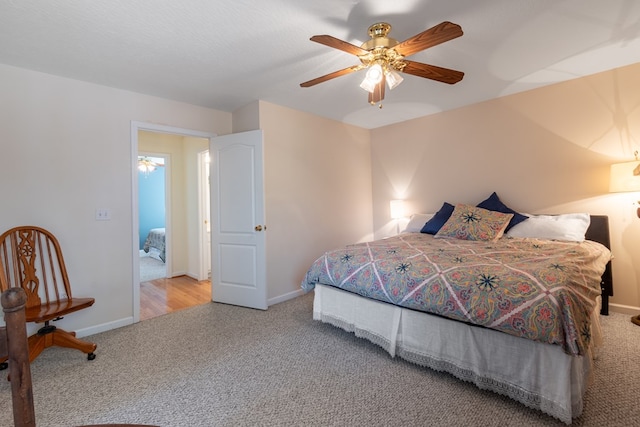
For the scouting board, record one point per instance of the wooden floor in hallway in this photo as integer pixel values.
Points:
(163, 296)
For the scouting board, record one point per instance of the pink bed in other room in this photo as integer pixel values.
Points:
(492, 304)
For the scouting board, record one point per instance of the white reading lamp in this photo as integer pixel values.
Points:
(625, 177)
(397, 212)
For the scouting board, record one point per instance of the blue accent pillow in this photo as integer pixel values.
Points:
(493, 203)
(439, 219)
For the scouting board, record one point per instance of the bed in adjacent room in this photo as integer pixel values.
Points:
(507, 301)
(154, 244)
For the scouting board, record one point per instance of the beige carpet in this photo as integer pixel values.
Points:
(220, 365)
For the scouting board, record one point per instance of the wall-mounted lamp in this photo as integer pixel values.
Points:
(396, 208)
(625, 177)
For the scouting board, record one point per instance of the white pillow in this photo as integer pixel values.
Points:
(416, 222)
(568, 227)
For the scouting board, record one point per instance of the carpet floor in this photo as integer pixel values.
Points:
(221, 365)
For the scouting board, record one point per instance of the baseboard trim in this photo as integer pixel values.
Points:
(285, 297)
(624, 309)
(129, 320)
(104, 327)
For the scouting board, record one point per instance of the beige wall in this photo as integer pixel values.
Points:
(65, 150)
(247, 118)
(317, 191)
(543, 151)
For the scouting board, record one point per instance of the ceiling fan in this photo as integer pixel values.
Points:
(385, 58)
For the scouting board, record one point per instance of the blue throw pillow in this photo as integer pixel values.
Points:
(493, 203)
(435, 224)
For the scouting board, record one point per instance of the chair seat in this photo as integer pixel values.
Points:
(46, 312)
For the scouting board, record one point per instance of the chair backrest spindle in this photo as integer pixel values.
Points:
(54, 276)
(37, 239)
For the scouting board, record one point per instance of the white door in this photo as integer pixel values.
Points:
(238, 274)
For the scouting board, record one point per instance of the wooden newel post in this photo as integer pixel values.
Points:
(13, 303)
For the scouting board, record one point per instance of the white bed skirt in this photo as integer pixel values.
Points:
(541, 376)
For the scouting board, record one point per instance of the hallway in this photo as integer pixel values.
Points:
(163, 296)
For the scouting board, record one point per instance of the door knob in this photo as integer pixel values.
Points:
(258, 228)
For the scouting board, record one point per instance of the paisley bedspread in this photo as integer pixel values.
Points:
(537, 289)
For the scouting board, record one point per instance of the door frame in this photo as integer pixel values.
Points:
(204, 216)
(137, 126)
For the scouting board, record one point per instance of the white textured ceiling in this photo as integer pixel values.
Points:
(225, 54)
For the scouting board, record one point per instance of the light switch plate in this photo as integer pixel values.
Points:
(103, 214)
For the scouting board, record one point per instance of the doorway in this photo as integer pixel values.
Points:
(153, 209)
(184, 226)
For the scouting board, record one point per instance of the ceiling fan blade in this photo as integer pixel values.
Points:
(378, 93)
(331, 75)
(339, 44)
(444, 75)
(441, 33)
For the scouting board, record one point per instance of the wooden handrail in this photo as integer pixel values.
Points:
(14, 344)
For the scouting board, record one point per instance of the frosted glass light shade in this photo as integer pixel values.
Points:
(368, 85)
(393, 79)
(625, 177)
(372, 78)
(374, 74)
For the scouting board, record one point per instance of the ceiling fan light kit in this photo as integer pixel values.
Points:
(146, 165)
(372, 78)
(384, 58)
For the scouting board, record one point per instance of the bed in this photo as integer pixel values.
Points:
(515, 315)
(154, 244)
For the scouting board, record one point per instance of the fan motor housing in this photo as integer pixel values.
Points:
(379, 39)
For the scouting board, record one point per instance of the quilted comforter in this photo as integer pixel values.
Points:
(537, 289)
(156, 239)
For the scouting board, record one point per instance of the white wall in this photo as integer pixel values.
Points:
(65, 151)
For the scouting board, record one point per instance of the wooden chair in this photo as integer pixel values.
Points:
(31, 259)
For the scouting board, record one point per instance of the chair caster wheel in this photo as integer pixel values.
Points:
(91, 356)
(3, 366)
